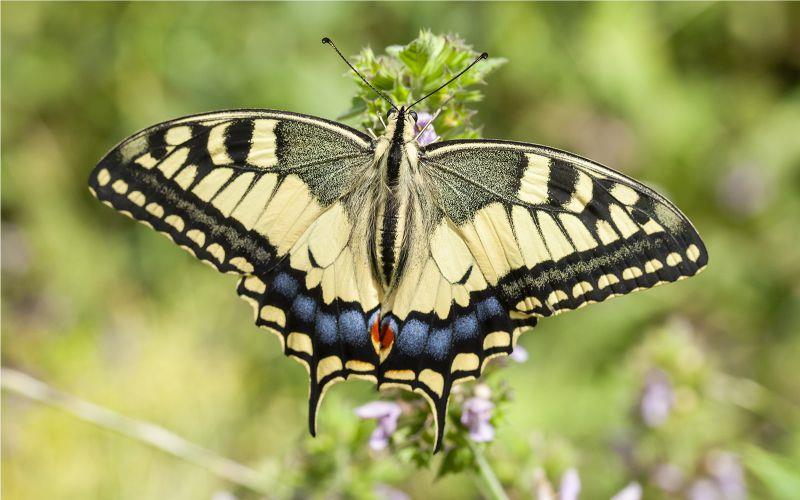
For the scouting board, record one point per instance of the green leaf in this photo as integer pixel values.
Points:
(407, 72)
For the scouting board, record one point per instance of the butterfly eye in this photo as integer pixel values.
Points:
(414, 115)
(391, 112)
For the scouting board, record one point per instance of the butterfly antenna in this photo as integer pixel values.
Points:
(383, 96)
(480, 57)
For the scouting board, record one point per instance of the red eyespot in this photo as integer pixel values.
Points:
(387, 337)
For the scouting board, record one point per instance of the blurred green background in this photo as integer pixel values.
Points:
(700, 100)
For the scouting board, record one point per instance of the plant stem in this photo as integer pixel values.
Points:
(146, 432)
(487, 473)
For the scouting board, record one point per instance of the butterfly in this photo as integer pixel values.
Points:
(377, 258)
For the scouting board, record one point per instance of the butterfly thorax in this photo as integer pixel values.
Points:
(396, 158)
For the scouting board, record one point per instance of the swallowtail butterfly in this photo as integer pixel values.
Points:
(377, 258)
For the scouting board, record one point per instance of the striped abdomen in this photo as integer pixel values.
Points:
(390, 229)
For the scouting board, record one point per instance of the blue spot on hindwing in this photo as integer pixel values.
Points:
(489, 308)
(325, 328)
(411, 339)
(466, 327)
(303, 308)
(439, 343)
(285, 285)
(353, 328)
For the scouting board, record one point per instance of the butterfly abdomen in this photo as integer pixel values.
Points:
(389, 238)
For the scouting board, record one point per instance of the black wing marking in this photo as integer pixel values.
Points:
(235, 188)
(553, 231)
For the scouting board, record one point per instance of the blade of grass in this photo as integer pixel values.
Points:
(153, 435)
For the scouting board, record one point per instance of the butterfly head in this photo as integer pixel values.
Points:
(404, 114)
(400, 122)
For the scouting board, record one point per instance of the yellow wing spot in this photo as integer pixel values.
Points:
(624, 194)
(581, 288)
(253, 203)
(496, 339)
(103, 177)
(631, 273)
(674, 259)
(155, 209)
(400, 374)
(580, 236)
(314, 277)
(226, 200)
(120, 186)
(216, 145)
(328, 365)
(138, 198)
(433, 380)
(359, 366)
(555, 297)
(693, 253)
(531, 244)
(288, 214)
(147, 161)
(461, 295)
(242, 264)
(217, 251)
(301, 342)
(450, 252)
(186, 176)
(175, 221)
(262, 146)
(582, 195)
(528, 304)
(651, 227)
(653, 265)
(273, 315)
(329, 235)
(173, 162)
(557, 243)
(606, 232)
(533, 185)
(520, 315)
(178, 135)
(211, 183)
(607, 280)
(197, 236)
(465, 361)
(254, 284)
(623, 221)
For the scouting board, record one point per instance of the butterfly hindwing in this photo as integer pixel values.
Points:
(553, 231)
(235, 188)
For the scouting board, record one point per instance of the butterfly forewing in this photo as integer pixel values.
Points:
(553, 231)
(236, 188)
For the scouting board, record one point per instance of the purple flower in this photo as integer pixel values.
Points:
(631, 492)
(727, 471)
(657, 399)
(429, 136)
(475, 416)
(570, 485)
(519, 354)
(386, 414)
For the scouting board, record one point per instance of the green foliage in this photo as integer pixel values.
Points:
(699, 99)
(408, 72)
